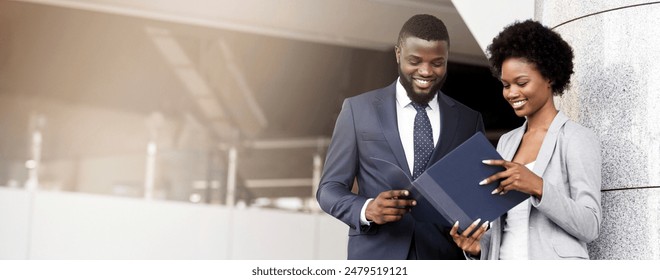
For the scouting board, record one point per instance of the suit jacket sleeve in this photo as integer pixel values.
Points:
(580, 214)
(334, 194)
(480, 124)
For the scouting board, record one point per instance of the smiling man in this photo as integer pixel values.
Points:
(410, 123)
(422, 65)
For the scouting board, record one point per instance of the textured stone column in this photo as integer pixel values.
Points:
(616, 92)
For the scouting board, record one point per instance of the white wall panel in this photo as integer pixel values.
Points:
(62, 225)
(272, 235)
(79, 226)
(14, 223)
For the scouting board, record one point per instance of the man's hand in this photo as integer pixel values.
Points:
(389, 206)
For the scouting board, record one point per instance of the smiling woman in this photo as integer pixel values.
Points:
(551, 158)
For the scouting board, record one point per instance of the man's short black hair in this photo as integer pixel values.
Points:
(423, 26)
(535, 43)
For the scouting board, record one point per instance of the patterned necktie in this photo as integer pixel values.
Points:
(423, 139)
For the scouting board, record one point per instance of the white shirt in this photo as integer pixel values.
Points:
(516, 230)
(405, 116)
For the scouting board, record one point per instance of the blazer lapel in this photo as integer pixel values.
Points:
(510, 150)
(448, 123)
(385, 106)
(549, 143)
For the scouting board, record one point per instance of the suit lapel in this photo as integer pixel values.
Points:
(549, 143)
(448, 123)
(385, 106)
(510, 150)
(547, 147)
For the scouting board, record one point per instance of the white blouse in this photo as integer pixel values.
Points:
(516, 230)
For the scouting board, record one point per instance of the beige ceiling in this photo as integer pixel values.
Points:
(371, 24)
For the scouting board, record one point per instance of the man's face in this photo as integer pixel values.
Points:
(422, 67)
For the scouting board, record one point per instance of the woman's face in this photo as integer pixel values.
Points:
(526, 90)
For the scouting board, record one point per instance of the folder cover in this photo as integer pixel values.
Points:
(449, 190)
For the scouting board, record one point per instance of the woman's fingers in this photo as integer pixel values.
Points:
(497, 176)
(469, 239)
(454, 230)
(468, 230)
(498, 162)
(480, 231)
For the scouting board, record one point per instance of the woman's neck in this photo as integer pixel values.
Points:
(542, 119)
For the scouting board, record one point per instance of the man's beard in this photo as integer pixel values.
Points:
(420, 98)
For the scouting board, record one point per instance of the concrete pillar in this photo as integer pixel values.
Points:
(232, 163)
(316, 180)
(616, 92)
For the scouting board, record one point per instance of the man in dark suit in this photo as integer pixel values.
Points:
(410, 123)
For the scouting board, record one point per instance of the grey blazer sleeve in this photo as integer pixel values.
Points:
(579, 214)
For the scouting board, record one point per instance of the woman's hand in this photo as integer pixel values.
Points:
(469, 243)
(515, 177)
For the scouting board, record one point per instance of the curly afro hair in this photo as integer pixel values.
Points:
(425, 27)
(532, 41)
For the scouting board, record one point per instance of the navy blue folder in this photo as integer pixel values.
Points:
(449, 190)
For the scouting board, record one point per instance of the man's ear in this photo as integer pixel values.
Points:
(397, 53)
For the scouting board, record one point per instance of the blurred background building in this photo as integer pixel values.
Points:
(198, 129)
(151, 129)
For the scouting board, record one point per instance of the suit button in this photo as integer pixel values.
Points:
(352, 226)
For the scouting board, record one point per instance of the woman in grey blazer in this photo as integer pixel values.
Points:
(553, 159)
